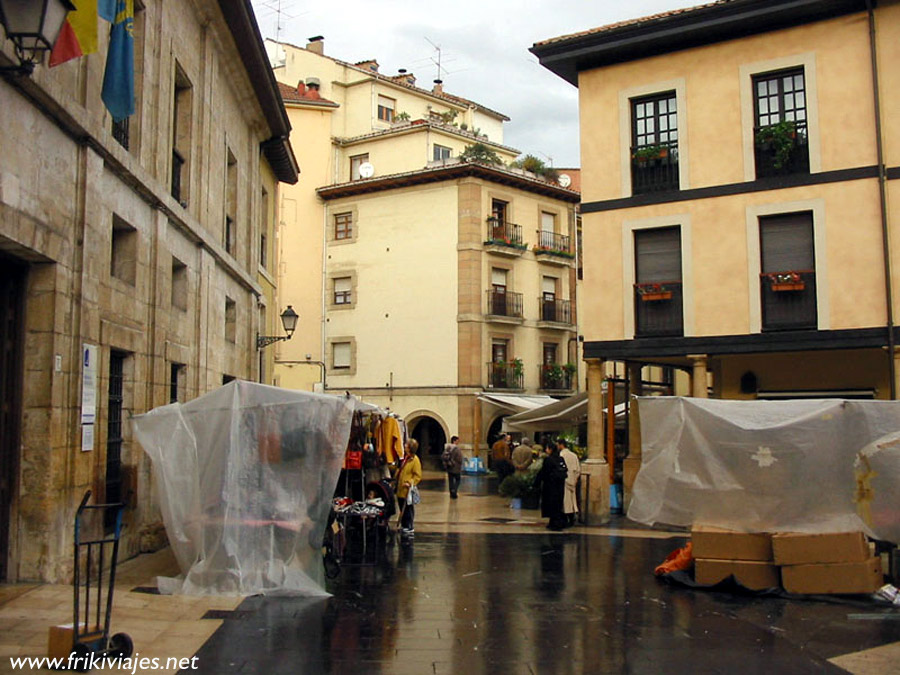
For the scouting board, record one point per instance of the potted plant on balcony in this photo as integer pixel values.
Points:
(517, 369)
(646, 153)
(553, 376)
(779, 139)
(786, 281)
(653, 292)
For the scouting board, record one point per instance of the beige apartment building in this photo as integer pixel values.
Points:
(445, 289)
(739, 196)
(138, 263)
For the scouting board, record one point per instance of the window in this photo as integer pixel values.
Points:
(548, 299)
(175, 373)
(781, 140)
(788, 272)
(341, 354)
(343, 225)
(548, 238)
(355, 162)
(657, 289)
(499, 211)
(179, 284)
(264, 229)
(654, 143)
(181, 136)
(123, 257)
(231, 190)
(498, 291)
(386, 108)
(550, 349)
(230, 320)
(441, 152)
(342, 290)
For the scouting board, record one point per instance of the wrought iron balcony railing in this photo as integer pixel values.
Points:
(788, 300)
(781, 149)
(556, 376)
(504, 303)
(658, 309)
(553, 243)
(505, 375)
(502, 233)
(654, 168)
(556, 310)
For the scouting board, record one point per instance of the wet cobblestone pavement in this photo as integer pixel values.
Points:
(497, 602)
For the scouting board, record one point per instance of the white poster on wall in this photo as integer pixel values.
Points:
(90, 355)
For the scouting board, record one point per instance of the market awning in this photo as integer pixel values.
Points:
(556, 416)
(516, 403)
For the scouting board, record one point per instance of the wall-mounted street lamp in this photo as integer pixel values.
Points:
(288, 319)
(33, 26)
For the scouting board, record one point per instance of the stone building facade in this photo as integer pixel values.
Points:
(137, 262)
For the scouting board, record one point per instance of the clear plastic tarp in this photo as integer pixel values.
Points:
(822, 465)
(245, 477)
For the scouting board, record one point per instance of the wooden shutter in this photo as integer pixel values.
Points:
(786, 243)
(658, 255)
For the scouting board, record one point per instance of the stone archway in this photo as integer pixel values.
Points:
(430, 434)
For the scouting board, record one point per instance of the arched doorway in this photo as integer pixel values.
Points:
(431, 437)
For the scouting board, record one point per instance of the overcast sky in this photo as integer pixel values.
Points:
(484, 51)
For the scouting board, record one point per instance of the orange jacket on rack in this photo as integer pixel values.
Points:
(388, 441)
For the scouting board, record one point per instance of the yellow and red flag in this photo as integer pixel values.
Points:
(78, 35)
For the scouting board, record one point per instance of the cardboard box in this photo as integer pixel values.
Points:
(848, 577)
(753, 574)
(60, 640)
(718, 544)
(797, 548)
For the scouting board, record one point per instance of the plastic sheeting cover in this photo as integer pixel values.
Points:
(245, 476)
(768, 466)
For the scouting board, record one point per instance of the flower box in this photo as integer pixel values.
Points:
(656, 296)
(798, 286)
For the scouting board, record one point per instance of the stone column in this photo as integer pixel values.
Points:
(698, 377)
(632, 463)
(594, 469)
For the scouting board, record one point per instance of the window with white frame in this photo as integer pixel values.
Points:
(341, 355)
(386, 107)
(343, 290)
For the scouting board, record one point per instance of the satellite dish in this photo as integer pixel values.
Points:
(564, 180)
(366, 170)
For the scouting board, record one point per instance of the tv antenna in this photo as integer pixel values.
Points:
(440, 69)
(277, 8)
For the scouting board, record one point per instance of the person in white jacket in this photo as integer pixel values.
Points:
(573, 466)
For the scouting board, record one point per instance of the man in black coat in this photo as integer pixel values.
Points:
(551, 479)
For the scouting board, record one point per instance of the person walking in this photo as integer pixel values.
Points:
(500, 454)
(551, 480)
(452, 459)
(408, 476)
(573, 471)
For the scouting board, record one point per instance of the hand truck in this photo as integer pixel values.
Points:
(90, 638)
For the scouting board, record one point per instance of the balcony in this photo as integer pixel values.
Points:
(504, 306)
(654, 168)
(555, 311)
(505, 375)
(504, 238)
(120, 131)
(556, 377)
(788, 300)
(554, 248)
(658, 309)
(781, 149)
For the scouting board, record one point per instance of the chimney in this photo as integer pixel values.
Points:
(316, 45)
(312, 87)
(438, 87)
(301, 88)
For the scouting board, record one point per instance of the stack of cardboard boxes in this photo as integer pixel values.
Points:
(802, 563)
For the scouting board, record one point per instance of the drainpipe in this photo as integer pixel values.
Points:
(885, 234)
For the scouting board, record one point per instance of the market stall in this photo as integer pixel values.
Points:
(244, 477)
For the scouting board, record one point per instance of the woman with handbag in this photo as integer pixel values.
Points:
(408, 477)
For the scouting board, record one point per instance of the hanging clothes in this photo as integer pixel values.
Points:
(389, 440)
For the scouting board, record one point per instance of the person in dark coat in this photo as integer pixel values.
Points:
(551, 480)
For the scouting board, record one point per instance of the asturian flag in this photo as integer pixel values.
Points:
(118, 79)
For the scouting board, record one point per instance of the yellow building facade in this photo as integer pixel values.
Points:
(739, 194)
(438, 279)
